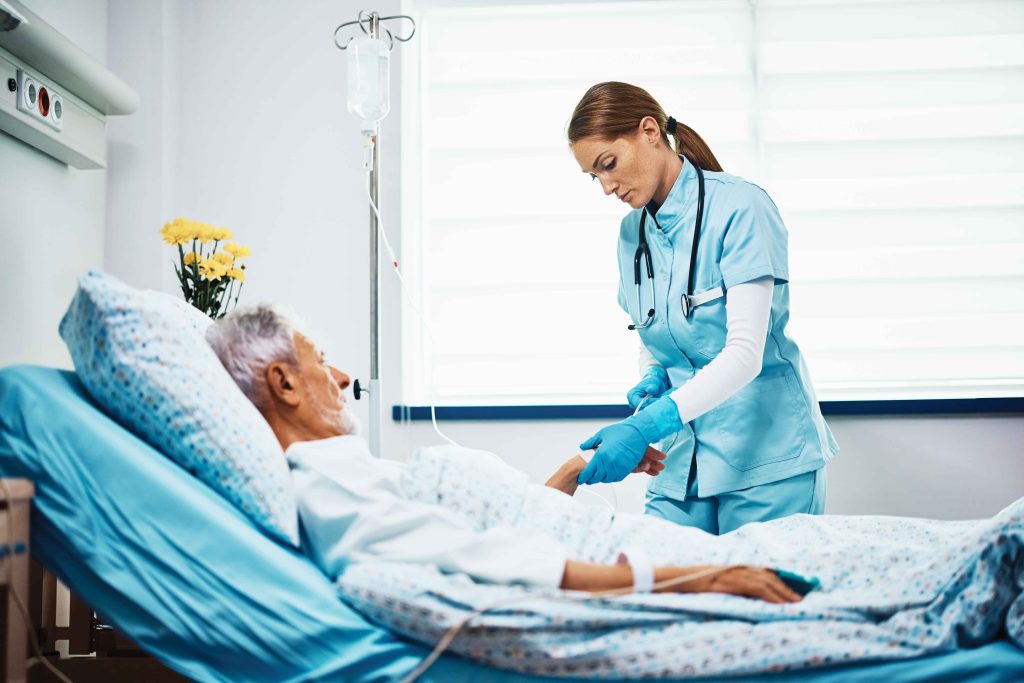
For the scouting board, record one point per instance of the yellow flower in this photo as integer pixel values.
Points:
(204, 232)
(236, 274)
(221, 234)
(239, 251)
(173, 234)
(221, 257)
(190, 258)
(212, 270)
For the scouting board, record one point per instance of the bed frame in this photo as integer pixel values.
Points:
(96, 652)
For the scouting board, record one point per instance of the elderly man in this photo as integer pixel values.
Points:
(352, 506)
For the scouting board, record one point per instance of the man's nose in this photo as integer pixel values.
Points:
(341, 378)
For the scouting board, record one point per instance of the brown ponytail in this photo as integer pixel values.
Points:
(612, 110)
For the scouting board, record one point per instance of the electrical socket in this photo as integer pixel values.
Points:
(40, 101)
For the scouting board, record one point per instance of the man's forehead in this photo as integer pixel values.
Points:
(304, 342)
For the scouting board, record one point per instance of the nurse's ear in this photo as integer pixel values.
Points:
(650, 131)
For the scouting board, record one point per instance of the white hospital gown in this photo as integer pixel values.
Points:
(352, 509)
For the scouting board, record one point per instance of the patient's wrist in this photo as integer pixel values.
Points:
(565, 478)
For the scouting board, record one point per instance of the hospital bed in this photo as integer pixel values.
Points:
(185, 576)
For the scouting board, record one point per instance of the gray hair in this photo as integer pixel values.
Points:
(249, 339)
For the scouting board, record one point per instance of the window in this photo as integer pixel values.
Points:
(889, 133)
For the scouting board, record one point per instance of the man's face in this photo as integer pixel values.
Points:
(324, 408)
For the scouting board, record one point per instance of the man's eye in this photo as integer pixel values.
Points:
(610, 165)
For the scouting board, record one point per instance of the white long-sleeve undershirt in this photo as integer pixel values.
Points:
(747, 310)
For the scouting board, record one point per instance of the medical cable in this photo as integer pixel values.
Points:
(641, 403)
(9, 552)
(455, 629)
(613, 506)
(419, 314)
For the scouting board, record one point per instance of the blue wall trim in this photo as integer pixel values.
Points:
(940, 406)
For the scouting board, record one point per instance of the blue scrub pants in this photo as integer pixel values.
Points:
(804, 493)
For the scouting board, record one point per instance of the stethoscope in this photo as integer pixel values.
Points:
(643, 253)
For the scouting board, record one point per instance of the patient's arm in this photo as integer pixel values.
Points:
(751, 582)
(565, 478)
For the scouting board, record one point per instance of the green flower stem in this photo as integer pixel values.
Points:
(181, 277)
(225, 295)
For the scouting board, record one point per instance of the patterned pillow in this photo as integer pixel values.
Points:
(142, 356)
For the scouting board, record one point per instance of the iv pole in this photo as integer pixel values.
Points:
(369, 22)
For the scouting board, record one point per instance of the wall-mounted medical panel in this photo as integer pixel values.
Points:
(53, 95)
(41, 113)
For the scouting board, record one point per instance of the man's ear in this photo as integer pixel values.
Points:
(282, 382)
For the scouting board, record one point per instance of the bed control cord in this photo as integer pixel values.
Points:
(32, 637)
(454, 630)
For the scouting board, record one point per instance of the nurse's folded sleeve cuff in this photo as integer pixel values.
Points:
(730, 279)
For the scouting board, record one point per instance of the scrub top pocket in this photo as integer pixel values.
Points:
(708, 327)
(761, 424)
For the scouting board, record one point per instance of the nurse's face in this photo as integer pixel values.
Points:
(633, 168)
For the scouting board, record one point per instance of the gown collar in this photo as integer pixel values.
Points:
(681, 198)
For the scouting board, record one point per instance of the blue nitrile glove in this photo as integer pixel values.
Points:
(621, 446)
(654, 384)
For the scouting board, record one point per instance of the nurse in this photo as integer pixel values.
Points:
(703, 273)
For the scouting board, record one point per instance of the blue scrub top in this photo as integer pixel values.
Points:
(772, 428)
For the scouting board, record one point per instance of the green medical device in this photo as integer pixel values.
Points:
(800, 584)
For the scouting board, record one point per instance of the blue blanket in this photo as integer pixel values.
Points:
(892, 588)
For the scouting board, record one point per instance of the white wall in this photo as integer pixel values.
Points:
(243, 123)
(142, 149)
(51, 216)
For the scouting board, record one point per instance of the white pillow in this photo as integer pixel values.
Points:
(142, 356)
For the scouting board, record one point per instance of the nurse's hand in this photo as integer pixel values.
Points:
(565, 479)
(654, 384)
(621, 446)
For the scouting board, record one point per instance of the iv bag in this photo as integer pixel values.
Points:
(369, 77)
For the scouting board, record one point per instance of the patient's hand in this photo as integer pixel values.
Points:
(565, 478)
(652, 463)
(750, 582)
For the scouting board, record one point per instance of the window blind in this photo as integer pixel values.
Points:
(889, 133)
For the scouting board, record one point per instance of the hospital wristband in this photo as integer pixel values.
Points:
(640, 564)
